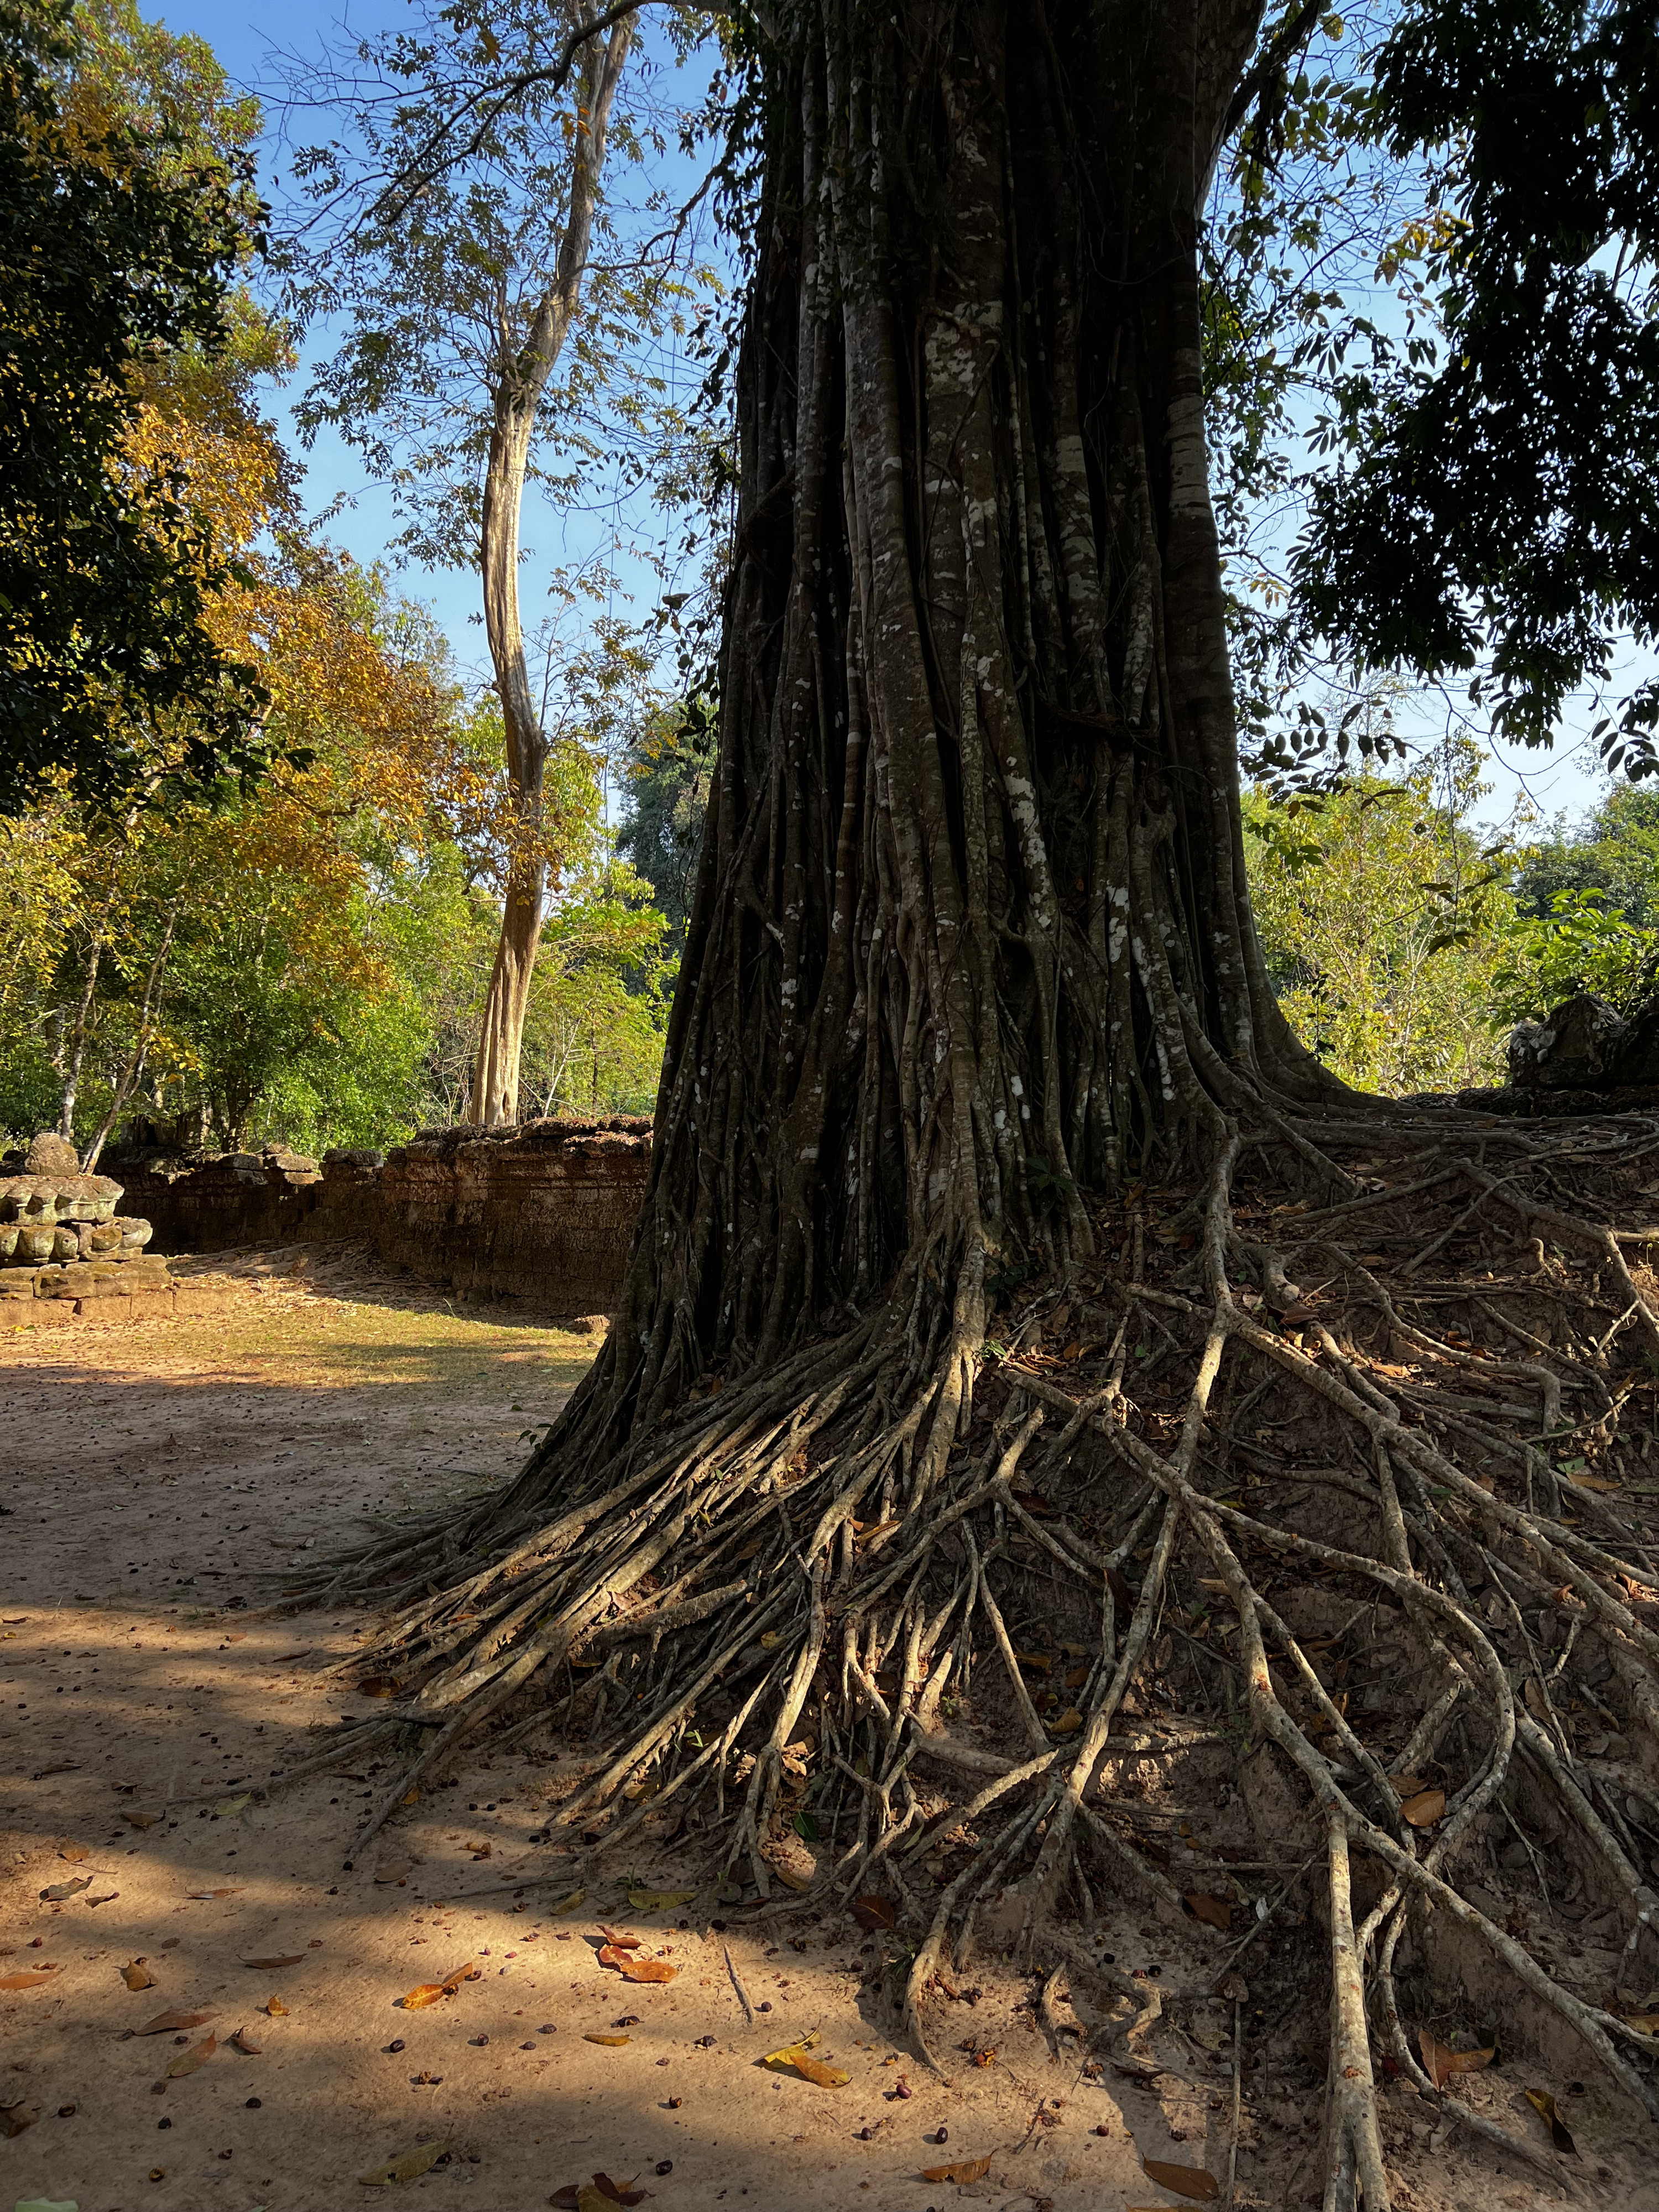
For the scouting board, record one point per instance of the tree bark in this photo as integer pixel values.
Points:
(972, 928)
(525, 364)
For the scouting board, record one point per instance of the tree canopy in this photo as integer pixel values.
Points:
(122, 226)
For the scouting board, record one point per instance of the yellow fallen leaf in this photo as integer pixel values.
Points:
(793, 2057)
(1441, 2062)
(1560, 2135)
(276, 2009)
(659, 1901)
(1597, 1482)
(409, 2167)
(568, 1904)
(770, 1640)
(1068, 1724)
(1644, 2023)
(610, 2042)
(138, 1976)
(228, 1805)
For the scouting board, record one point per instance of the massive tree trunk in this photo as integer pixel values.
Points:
(971, 961)
(526, 360)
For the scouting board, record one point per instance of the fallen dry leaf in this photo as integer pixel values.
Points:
(793, 1878)
(1406, 1785)
(74, 1853)
(481, 1851)
(1441, 2062)
(1213, 1911)
(173, 2023)
(1597, 1482)
(276, 2009)
(619, 1938)
(138, 1976)
(283, 1657)
(428, 1993)
(659, 1901)
(143, 1820)
(610, 2042)
(109, 1898)
(286, 1959)
(228, 1806)
(873, 1912)
(794, 2055)
(1544, 2105)
(1644, 2023)
(567, 1904)
(619, 2193)
(409, 2167)
(379, 1685)
(394, 1870)
(1425, 1808)
(637, 1970)
(964, 2170)
(26, 1981)
(59, 1890)
(188, 2061)
(19, 2116)
(239, 2041)
(1068, 1724)
(1196, 2182)
(206, 1896)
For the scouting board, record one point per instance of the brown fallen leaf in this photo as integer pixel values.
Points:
(109, 1898)
(637, 1970)
(409, 2167)
(658, 1900)
(283, 1657)
(188, 2061)
(1644, 2023)
(26, 1981)
(610, 2042)
(1544, 2105)
(1196, 2182)
(240, 2041)
(567, 1904)
(964, 2170)
(394, 1870)
(1441, 2062)
(874, 1912)
(206, 1896)
(1213, 1911)
(589, 2199)
(59, 1890)
(1425, 1808)
(17, 2117)
(616, 2192)
(276, 2009)
(1597, 1482)
(1068, 1724)
(173, 2023)
(481, 1851)
(143, 1820)
(380, 1686)
(286, 1959)
(138, 1976)
(74, 1853)
(793, 2057)
(619, 1939)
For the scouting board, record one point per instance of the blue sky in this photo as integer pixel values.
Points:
(246, 38)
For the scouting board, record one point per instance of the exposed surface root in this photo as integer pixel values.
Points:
(1360, 1489)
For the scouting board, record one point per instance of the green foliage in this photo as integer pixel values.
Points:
(1582, 942)
(1499, 507)
(122, 222)
(1385, 918)
(1615, 850)
(670, 767)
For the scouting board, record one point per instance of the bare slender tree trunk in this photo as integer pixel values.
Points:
(524, 366)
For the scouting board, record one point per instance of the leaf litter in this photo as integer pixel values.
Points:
(409, 2166)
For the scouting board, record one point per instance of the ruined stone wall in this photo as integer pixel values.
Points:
(544, 1210)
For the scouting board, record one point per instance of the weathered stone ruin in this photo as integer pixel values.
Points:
(62, 1240)
(544, 1210)
(1583, 1058)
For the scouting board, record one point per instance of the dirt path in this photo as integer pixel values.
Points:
(155, 1473)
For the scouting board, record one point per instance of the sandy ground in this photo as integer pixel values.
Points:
(154, 1473)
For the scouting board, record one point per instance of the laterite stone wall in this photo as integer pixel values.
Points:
(545, 1211)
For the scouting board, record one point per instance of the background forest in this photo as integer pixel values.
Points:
(306, 947)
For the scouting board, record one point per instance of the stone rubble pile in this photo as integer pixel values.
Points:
(61, 1237)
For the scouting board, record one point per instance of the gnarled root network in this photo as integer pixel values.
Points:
(1420, 1393)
